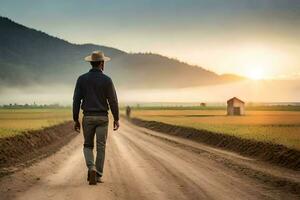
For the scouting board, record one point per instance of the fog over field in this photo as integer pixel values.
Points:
(249, 91)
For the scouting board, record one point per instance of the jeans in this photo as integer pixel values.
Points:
(95, 125)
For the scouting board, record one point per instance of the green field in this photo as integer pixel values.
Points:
(280, 127)
(16, 121)
(193, 107)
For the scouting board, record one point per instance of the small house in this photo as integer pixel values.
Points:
(203, 104)
(235, 106)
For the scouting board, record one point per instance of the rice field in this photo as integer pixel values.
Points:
(280, 127)
(16, 121)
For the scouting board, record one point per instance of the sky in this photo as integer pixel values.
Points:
(254, 38)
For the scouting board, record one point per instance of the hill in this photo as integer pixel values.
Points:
(30, 57)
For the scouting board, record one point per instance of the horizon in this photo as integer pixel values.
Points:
(152, 104)
(257, 40)
(256, 91)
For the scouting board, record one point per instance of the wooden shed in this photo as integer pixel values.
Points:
(235, 106)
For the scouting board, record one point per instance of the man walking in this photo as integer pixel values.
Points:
(95, 92)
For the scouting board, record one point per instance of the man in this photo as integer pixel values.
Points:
(128, 111)
(96, 91)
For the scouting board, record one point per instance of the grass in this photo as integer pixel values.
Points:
(279, 127)
(16, 121)
(249, 107)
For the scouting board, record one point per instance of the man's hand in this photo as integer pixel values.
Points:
(116, 125)
(77, 126)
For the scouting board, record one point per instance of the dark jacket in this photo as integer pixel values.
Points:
(96, 90)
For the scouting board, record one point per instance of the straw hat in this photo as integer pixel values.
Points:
(96, 56)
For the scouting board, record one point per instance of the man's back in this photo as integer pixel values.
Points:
(96, 90)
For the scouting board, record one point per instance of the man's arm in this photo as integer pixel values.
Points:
(113, 103)
(77, 97)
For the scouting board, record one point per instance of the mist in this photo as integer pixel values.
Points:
(249, 91)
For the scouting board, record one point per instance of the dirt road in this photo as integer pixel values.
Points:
(142, 164)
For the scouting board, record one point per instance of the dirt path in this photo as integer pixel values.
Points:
(143, 164)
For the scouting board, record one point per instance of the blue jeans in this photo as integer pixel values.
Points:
(95, 125)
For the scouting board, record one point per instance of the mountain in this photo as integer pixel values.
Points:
(31, 57)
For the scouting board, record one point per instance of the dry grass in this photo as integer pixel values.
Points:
(281, 127)
(15, 121)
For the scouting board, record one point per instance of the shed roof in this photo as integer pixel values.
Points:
(235, 99)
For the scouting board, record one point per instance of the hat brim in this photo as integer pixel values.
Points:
(89, 59)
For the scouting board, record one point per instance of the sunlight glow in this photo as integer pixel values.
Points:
(258, 61)
(255, 74)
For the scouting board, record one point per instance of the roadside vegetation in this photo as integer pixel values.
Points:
(218, 107)
(16, 121)
(274, 126)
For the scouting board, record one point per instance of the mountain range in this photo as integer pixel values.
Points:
(31, 57)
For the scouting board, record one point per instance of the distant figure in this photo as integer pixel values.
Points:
(93, 92)
(128, 111)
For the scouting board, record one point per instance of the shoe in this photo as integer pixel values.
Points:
(92, 177)
(99, 179)
(88, 176)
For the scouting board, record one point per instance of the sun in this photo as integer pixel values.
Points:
(255, 74)
(257, 61)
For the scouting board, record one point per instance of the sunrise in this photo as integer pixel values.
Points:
(149, 99)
